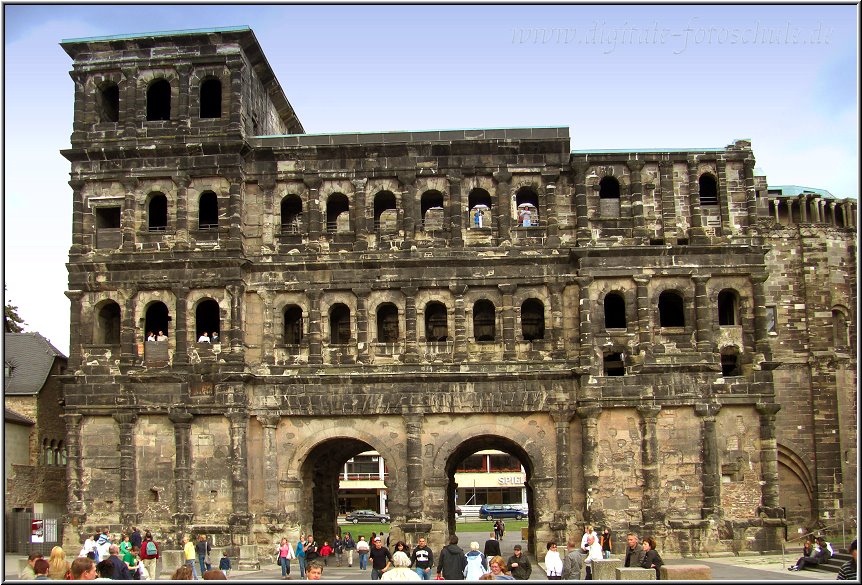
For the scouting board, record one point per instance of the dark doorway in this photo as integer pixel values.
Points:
(207, 318)
(157, 319)
(211, 98)
(159, 100)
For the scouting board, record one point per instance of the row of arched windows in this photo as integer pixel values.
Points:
(53, 452)
(159, 100)
(670, 309)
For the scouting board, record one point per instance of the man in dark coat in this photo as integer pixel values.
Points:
(121, 570)
(453, 561)
(492, 549)
(519, 565)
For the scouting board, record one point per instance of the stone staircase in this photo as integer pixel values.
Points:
(833, 565)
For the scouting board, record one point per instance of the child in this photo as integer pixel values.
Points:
(325, 552)
(224, 563)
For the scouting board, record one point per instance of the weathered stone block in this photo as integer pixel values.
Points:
(686, 573)
(632, 574)
(605, 569)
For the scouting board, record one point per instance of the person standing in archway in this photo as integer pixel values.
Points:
(492, 549)
(381, 559)
(453, 561)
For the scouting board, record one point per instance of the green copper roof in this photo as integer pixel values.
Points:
(644, 150)
(164, 33)
(794, 190)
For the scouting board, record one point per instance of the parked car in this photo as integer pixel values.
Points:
(358, 516)
(494, 511)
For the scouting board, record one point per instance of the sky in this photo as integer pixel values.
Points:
(619, 76)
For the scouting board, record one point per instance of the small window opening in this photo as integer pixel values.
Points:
(337, 213)
(157, 213)
(385, 213)
(727, 307)
(154, 495)
(292, 325)
(615, 311)
(527, 207)
(108, 102)
(156, 320)
(107, 218)
(159, 100)
(533, 320)
(436, 325)
(108, 324)
(432, 211)
(339, 324)
(484, 321)
(771, 319)
(613, 364)
(479, 203)
(729, 363)
(609, 197)
(211, 99)
(708, 190)
(840, 333)
(670, 310)
(291, 215)
(208, 211)
(387, 323)
(207, 319)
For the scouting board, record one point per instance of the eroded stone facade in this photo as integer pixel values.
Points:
(378, 291)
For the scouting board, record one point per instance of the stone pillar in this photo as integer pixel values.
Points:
(270, 462)
(761, 339)
(180, 332)
(360, 227)
(235, 67)
(637, 197)
(802, 202)
(651, 497)
(75, 465)
(550, 179)
(184, 509)
(408, 203)
(183, 115)
(584, 312)
(236, 291)
(182, 222)
(555, 295)
(271, 220)
(750, 192)
(312, 184)
(508, 290)
(315, 349)
(413, 424)
(128, 331)
(702, 314)
(724, 199)
(769, 459)
(78, 246)
(76, 339)
(128, 468)
(697, 232)
(130, 112)
(504, 204)
(582, 226)
(460, 349)
(711, 463)
(362, 340)
(643, 308)
(234, 214)
(668, 202)
(411, 352)
(589, 443)
(127, 221)
(456, 210)
(83, 108)
(562, 421)
(777, 206)
(239, 466)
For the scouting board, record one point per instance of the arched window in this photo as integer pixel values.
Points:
(157, 212)
(291, 214)
(615, 311)
(532, 320)
(484, 326)
(61, 453)
(208, 211)
(527, 207)
(49, 452)
(337, 213)
(436, 324)
(387, 323)
(479, 203)
(159, 100)
(670, 309)
(613, 364)
(609, 197)
(211, 98)
(292, 325)
(108, 102)
(708, 189)
(339, 324)
(433, 213)
(730, 362)
(385, 213)
(107, 324)
(156, 319)
(727, 307)
(207, 318)
(840, 333)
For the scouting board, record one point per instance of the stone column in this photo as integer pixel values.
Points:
(127, 221)
(550, 179)
(582, 227)
(761, 339)
(360, 226)
(362, 340)
(589, 443)
(408, 204)
(83, 108)
(183, 116)
(555, 290)
(180, 332)
(456, 210)
(236, 291)
(315, 349)
(769, 459)
(702, 314)
(128, 468)
(239, 465)
(235, 67)
(584, 328)
(750, 192)
(76, 339)
(643, 308)
(697, 232)
(235, 214)
(184, 509)
(802, 202)
(413, 424)
(128, 331)
(75, 465)
(271, 220)
(637, 197)
(78, 246)
(651, 496)
(130, 113)
(711, 473)
(508, 290)
(411, 352)
(724, 198)
(182, 222)
(562, 421)
(777, 206)
(503, 190)
(312, 184)
(270, 462)
(668, 202)
(460, 349)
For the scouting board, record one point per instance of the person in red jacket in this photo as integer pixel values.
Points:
(150, 555)
(325, 551)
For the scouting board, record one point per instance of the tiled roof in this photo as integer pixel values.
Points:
(30, 357)
(14, 417)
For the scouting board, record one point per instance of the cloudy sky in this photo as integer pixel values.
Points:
(618, 76)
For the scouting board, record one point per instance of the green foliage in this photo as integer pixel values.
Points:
(12, 322)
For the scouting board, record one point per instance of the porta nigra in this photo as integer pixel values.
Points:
(666, 342)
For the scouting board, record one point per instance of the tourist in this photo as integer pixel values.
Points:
(90, 546)
(135, 537)
(204, 338)
(224, 564)
(574, 561)
(151, 336)
(150, 554)
(82, 569)
(58, 565)
(453, 561)
(822, 553)
(422, 559)
(189, 555)
(349, 548)
(185, 573)
(381, 559)
(40, 570)
(492, 548)
(338, 549)
(314, 570)
(606, 543)
(312, 551)
(475, 563)
(121, 569)
(553, 562)
(105, 570)
(651, 560)
(161, 336)
(215, 337)
(400, 570)
(300, 555)
(285, 554)
(594, 553)
(28, 572)
(402, 546)
(848, 569)
(214, 575)
(325, 551)
(520, 565)
(362, 549)
(498, 569)
(634, 552)
(202, 550)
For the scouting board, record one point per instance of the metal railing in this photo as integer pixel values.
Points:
(824, 531)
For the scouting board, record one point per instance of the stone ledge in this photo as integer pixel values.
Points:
(686, 573)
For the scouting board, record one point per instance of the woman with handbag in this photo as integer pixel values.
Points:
(285, 555)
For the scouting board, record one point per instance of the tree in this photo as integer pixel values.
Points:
(12, 322)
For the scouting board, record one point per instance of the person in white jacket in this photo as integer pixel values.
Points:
(594, 553)
(400, 570)
(553, 562)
